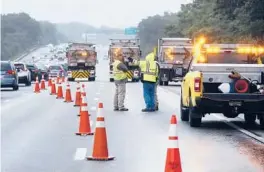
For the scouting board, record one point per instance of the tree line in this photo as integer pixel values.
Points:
(221, 21)
(20, 32)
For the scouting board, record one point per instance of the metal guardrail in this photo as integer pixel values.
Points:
(26, 53)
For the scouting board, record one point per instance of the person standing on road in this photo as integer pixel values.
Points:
(149, 73)
(120, 77)
(156, 87)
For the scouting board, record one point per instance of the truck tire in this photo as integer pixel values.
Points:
(166, 83)
(261, 121)
(193, 119)
(250, 119)
(111, 79)
(184, 112)
(161, 83)
(70, 79)
(92, 79)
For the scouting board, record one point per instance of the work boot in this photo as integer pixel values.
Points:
(157, 108)
(123, 109)
(148, 110)
(116, 109)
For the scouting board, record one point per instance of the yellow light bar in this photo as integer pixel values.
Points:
(250, 50)
(213, 50)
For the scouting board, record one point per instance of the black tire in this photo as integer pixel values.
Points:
(161, 83)
(261, 121)
(111, 79)
(193, 119)
(91, 79)
(166, 83)
(28, 82)
(70, 79)
(184, 112)
(250, 119)
(15, 87)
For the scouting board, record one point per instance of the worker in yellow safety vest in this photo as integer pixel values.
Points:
(120, 77)
(149, 78)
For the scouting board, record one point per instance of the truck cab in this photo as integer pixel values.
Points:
(173, 57)
(128, 48)
(82, 60)
(226, 79)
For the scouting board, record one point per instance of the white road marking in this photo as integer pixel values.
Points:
(93, 108)
(80, 154)
(246, 132)
(98, 93)
(96, 99)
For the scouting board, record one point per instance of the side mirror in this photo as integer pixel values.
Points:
(18, 69)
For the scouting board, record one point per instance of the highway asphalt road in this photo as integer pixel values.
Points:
(38, 134)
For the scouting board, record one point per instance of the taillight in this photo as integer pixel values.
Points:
(10, 72)
(197, 84)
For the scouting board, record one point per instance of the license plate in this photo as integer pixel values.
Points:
(235, 103)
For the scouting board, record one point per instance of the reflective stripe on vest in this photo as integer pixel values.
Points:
(118, 74)
(150, 71)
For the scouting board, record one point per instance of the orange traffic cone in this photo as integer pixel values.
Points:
(78, 95)
(58, 79)
(83, 90)
(68, 97)
(62, 78)
(60, 92)
(53, 88)
(42, 86)
(100, 148)
(83, 94)
(49, 82)
(37, 89)
(84, 127)
(173, 160)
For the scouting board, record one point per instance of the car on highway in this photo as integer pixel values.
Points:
(34, 71)
(43, 71)
(9, 76)
(24, 75)
(55, 70)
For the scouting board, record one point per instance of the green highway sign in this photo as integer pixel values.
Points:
(131, 31)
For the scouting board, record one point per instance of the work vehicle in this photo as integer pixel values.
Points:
(224, 78)
(82, 60)
(43, 70)
(9, 76)
(128, 48)
(173, 57)
(24, 75)
(56, 70)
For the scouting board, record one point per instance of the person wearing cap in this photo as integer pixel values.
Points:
(120, 78)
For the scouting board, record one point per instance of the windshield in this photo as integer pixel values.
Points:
(5, 66)
(230, 58)
(126, 52)
(20, 66)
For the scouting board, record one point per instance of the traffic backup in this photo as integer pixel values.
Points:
(224, 78)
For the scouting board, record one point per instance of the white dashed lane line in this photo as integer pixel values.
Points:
(80, 154)
(96, 99)
(93, 108)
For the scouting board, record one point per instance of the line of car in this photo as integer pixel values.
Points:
(15, 73)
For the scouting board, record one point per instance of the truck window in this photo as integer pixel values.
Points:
(230, 58)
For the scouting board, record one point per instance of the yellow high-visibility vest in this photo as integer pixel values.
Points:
(118, 74)
(149, 70)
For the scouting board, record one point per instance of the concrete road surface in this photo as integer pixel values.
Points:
(38, 135)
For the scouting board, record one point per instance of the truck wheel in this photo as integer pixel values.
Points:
(70, 79)
(261, 121)
(161, 83)
(184, 112)
(166, 83)
(250, 118)
(194, 117)
(111, 79)
(91, 79)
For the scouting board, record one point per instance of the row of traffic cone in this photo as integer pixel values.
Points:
(100, 147)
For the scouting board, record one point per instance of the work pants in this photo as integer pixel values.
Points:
(156, 96)
(120, 93)
(149, 94)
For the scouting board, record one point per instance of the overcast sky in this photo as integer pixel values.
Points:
(114, 13)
